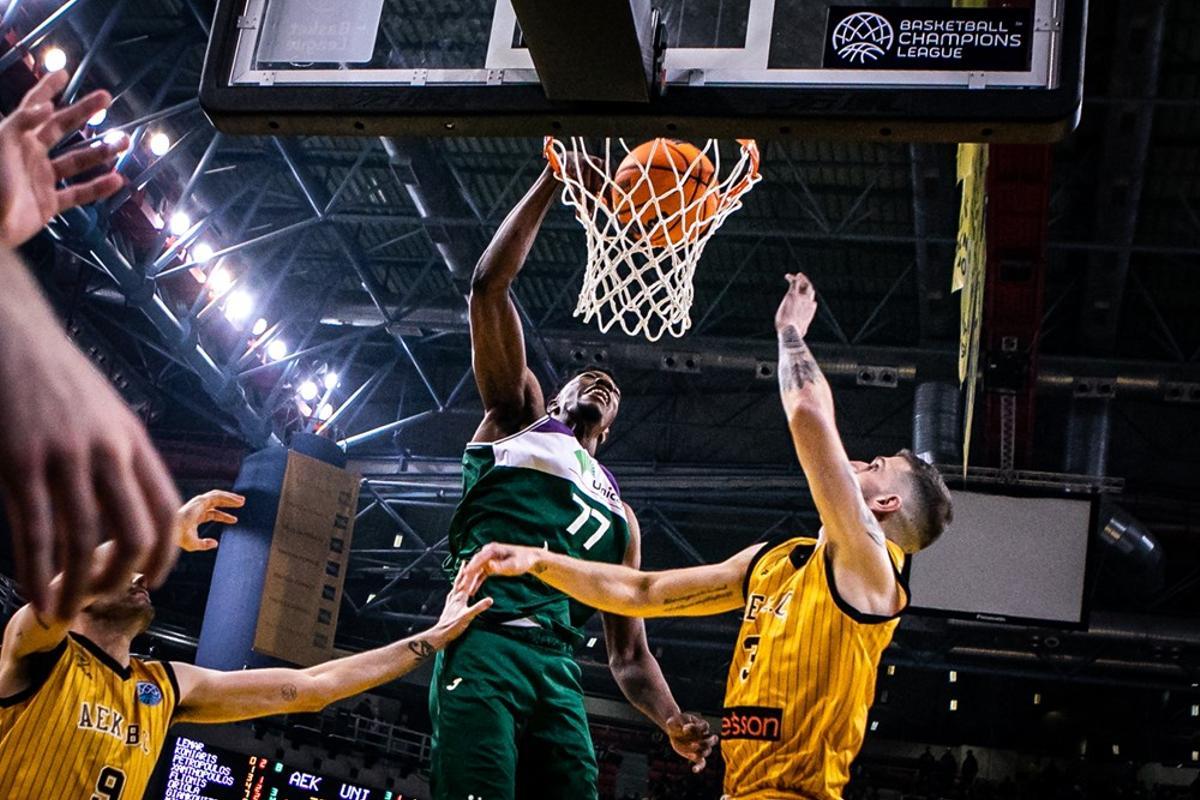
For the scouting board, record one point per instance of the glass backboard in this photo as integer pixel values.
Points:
(902, 69)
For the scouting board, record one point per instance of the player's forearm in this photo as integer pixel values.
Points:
(641, 681)
(802, 386)
(505, 255)
(345, 677)
(612, 588)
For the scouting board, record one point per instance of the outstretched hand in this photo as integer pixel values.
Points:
(29, 192)
(798, 306)
(691, 738)
(505, 560)
(201, 509)
(458, 611)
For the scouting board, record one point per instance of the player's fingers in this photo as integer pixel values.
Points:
(162, 500)
(29, 514)
(28, 118)
(74, 504)
(472, 579)
(699, 764)
(208, 544)
(228, 499)
(84, 194)
(72, 117)
(220, 516)
(478, 608)
(460, 581)
(81, 159)
(45, 90)
(124, 510)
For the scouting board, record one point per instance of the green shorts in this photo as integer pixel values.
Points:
(508, 721)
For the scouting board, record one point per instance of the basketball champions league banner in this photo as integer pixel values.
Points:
(959, 39)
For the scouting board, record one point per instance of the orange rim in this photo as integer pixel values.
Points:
(750, 148)
(551, 156)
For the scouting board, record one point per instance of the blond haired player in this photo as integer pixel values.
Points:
(81, 718)
(817, 614)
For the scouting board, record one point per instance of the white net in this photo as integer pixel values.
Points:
(648, 217)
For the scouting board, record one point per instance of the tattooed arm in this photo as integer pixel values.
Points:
(618, 589)
(862, 567)
(213, 696)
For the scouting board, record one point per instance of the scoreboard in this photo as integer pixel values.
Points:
(195, 770)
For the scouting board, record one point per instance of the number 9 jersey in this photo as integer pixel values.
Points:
(86, 727)
(540, 488)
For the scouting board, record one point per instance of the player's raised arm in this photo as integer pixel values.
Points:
(511, 395)
(211, 696)
(866, 576)
(619, 589)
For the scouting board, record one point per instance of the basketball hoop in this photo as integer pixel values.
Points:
(643, 245)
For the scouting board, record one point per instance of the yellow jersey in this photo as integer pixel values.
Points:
(87, 728)
(802, 678)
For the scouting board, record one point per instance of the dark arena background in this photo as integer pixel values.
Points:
(248, 287)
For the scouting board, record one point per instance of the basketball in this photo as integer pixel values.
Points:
(665, 184)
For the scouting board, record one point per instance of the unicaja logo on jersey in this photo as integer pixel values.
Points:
(862, 37)
(587, 471)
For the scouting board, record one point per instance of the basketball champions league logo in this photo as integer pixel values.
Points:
(862, 37)
(910, 38)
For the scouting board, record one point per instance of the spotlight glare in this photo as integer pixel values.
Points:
(277, 349)
(219, 280)
(202, 252)
(54, 59)
(239, 306)
(115, 137)
(160, 143)
(954, 705)
(325, 412)
(180, 222)
(260, 327)
(330, 380)
(307, 391)
(97, 119)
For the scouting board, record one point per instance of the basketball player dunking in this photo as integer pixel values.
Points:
(80, 717)
(817, 613)
(506, 703)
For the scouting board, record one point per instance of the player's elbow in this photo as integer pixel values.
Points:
(627, 661)
(643, 597)
(806, 412)
(485, 282)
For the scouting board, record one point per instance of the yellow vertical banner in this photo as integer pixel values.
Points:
(970, 263)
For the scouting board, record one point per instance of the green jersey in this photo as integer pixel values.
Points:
(540, 488)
